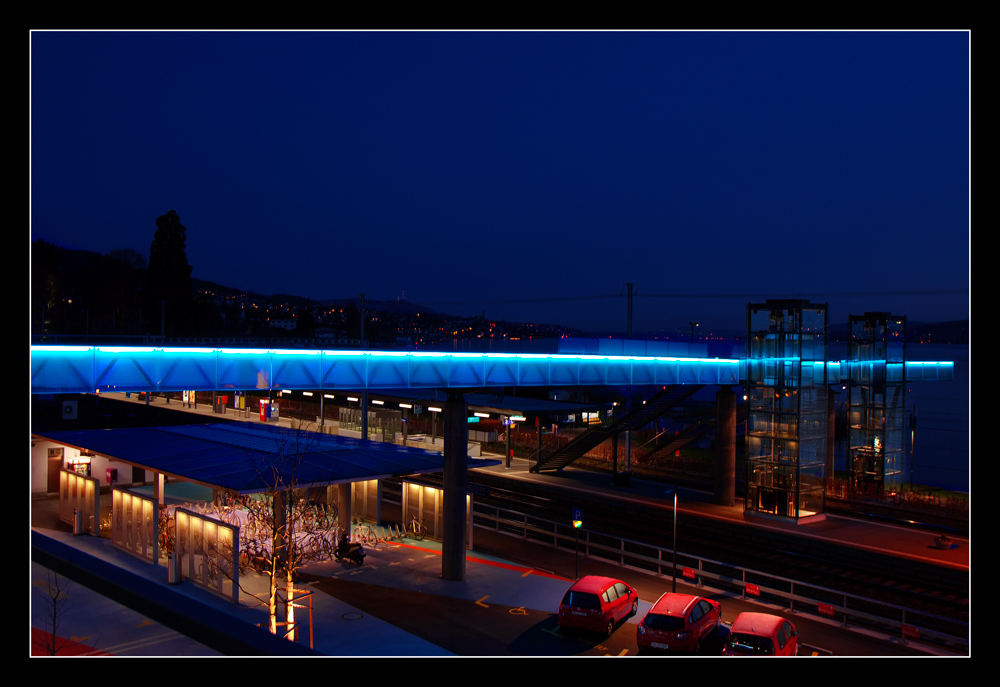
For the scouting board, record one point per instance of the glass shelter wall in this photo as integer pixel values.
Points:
(876, 401)
(787, 408)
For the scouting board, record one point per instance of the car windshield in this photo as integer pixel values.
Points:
(749, 644)
(581, 600)
(664, 623)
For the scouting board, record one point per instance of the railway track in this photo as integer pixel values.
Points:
(937, 598)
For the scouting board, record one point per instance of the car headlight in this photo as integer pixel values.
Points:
(683, 635)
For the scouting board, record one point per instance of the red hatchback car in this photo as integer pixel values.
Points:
(761, 634)
(597, 604)
(678, 622)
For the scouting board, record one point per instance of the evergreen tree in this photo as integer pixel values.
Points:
(169, 279)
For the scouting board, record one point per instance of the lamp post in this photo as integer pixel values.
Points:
(674, 545)
(693, 325)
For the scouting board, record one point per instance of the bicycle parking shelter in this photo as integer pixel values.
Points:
(243, 458)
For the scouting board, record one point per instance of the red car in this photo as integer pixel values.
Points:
(761, 634)
(678, 622)
(597, 604)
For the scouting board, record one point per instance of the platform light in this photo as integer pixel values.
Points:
(328, 396)
(518, 418)
(378, 403)
(351, 398)
(481, 414)
(307, 393)
(405, 405)
(433, 409)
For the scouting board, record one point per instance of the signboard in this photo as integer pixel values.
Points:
(577, 517)
(688, 573)
(472, 419)
(825, 609)
(910, 632)
(752, 589)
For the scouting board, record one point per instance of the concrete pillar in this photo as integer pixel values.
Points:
(344, 506)
(364, 413)
(158, 485)
(831, 430)
(405, 422)
(456, 449)
(506, 457)
(322, 414)
(725, 447)
(538, 450)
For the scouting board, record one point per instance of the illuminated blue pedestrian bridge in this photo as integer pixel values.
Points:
(86, 369)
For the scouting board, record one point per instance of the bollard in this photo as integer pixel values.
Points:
(77, 521)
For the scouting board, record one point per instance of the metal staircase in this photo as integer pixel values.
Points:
(692, 432)
(640, 416)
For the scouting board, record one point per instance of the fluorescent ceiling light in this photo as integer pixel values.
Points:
(481, 414)
(405, 405)
(434, 410)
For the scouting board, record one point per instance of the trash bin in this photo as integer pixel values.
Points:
(173, 569)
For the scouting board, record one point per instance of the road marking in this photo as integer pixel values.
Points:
(480, 602)
(518, 611)
(527, 573)
(144, 623)
(622, 653)
(557, 632)
(79, 639)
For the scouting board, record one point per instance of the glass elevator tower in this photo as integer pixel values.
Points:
(786, 429)
(876, 401)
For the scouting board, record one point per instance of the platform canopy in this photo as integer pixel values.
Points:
(247, 457)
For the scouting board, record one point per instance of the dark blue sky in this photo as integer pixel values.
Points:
(477, 171)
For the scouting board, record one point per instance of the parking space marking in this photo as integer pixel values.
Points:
(480, 602)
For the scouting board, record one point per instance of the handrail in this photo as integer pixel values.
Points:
(880, 614)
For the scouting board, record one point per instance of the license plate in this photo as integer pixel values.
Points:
(579, 613)
(660, 645)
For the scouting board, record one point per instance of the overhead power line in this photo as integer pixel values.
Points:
(939, 292)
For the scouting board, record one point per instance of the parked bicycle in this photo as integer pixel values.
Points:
(416, 529)
(365, 534)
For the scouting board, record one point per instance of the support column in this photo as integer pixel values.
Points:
(725, 447)
(322, 414)
(831, 431)
(158, 484)
(456, 449)
(538, 450)
(344, 506)
(364, 413)
(506, 457)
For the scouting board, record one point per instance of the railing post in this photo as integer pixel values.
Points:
(845, 610)
(791, 600)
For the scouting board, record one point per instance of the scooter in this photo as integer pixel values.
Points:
(351, 551)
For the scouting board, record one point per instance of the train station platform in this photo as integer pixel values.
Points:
(877, 537)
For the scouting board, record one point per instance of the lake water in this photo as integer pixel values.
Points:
(941, 440)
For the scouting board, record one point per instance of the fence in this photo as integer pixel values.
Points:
(907, 623)
(207, 552)
(135, 524)
(80, 493)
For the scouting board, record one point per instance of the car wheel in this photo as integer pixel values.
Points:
(635, 608)
(611, 627)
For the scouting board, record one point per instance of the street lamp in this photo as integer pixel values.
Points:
(693, 325)
(674, 543)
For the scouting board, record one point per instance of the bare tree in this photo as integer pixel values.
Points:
(282, 532)
(54, 600)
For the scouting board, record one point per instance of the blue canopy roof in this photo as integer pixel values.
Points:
(248, 457)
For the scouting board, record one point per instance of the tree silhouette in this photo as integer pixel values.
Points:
(169, 278)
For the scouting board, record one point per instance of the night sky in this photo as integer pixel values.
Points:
(527, 175)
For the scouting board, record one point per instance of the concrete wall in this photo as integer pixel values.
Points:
(98, 466)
